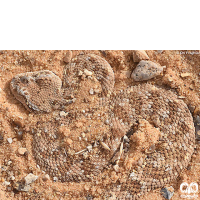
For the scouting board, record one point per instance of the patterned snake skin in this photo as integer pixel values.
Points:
(148, 136)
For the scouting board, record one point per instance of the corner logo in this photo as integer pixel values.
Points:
(189, 190)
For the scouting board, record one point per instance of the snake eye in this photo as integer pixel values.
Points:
(24, 79)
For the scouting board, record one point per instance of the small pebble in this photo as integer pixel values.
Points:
(91, 91)
(63, 113)
(80, 73)
(19, 121)
(68, 57)
(83, 135)
(185, 74)
(140, 161)
(20, 134)
(9, 162)
(87, 72)
(21, 187)
(167, 192)
(30, 178)
(139, 55)
(10, 140)
(12, 178)
(6, 183)
(89, 148)
(146, 70)
(55, 179)
(107, 122)
(45, 177)
(22, 151)
(116, 168)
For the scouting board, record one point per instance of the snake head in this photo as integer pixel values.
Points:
(37, 91)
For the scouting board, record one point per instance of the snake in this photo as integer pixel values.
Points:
(144, 133)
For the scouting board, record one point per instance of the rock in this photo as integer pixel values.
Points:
(63, 113)
(146, 70)
(21, 187)
(68, 57)
(167, 192)
(9, 140)
(6, 183)
(19, 121)
(86, 187)
(87, 72)
(22, 151)
(116, 168)
(20, 135)
(80, 73)
(30, 178)
(45, 177)
(9, 162)
(140, 161)
(185, 74)
(107, 122)
(139, 55)
(12, 178)
(55, 179)
(91, 91)
(89, 148)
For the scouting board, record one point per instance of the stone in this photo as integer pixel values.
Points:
(21, 187)
(20, 135)
(80, 73)
(68, 57)
(89, 148)
(19, 121)
(140, 162)
(183, 75)
(139, 55)
(63, 114)
(55, 179)
(167, 192)
(107, 122)
(30, 178)
(91, 91)
(6, 183)
(146, 70)
(12, 178)
(22, 151)
(45, 177)
(87, 72)
(9, 140)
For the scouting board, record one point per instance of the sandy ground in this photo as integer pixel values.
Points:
(181, 75)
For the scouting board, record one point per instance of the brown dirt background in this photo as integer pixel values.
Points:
(13, 115)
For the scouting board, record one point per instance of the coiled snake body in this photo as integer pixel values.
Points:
(148, 134)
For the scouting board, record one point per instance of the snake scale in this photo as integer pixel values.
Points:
(148, 136)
